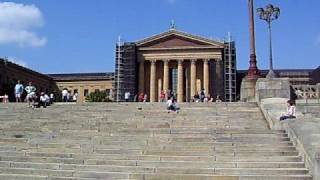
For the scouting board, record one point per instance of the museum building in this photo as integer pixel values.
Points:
(176, 61)
(172, 60)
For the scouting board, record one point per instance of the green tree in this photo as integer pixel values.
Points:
(98, 96)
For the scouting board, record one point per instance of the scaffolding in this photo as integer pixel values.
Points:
(230, 70)
(125, 70)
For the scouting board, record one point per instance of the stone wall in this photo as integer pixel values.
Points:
(268, 88)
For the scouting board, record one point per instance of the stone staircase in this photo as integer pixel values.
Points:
(228, 141)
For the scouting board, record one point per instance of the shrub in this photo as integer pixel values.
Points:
(99, 96)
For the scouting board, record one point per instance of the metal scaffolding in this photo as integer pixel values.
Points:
(230, 70)
(125, 70)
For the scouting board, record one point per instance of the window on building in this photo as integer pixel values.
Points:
(96, 90)
(75, 91)
(86, 92)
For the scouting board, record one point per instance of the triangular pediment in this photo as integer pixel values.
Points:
(174, 39)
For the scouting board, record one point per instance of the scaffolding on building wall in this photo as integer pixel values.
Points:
(230, 70)
(125, 79)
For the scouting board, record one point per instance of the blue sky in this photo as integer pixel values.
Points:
(79, 35)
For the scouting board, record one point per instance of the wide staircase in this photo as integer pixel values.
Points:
(227, 141)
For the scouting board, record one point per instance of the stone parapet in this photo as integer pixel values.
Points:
(247, 92)
(271, 88)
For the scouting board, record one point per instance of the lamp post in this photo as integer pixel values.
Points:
(269, 13)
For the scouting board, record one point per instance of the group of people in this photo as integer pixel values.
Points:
(34, 100)
(203, 97)
(165, 95)
(42, 100)
(67, 97)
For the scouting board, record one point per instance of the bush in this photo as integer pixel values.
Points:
(100, 96)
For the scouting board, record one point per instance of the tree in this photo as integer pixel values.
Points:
(98, 96)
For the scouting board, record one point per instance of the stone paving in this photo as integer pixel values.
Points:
(143, 141)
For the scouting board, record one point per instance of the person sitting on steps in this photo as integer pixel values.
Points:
(42, 101)
(172, 106)
(291, 111)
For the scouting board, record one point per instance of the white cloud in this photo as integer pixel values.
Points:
(18, 61)
(17, 22)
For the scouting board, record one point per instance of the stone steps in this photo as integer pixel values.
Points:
(155, 164)
(153, 177)
(229, 141)
(150, 170)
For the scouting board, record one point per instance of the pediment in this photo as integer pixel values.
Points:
(174, 39)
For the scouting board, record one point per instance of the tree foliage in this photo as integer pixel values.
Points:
(99, 96)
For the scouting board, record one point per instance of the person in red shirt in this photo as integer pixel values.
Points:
(162, 96)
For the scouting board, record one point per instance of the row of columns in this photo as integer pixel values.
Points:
(180, 78)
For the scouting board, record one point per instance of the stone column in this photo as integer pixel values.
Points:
(219, 78)
(180, 81)
(206, 75)
(159, 88)
(141, 77)
(153, 81)
(193, 75)
(80, 95)
(165, 75)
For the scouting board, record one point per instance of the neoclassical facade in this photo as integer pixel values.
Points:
(188, 55)
(179, 62)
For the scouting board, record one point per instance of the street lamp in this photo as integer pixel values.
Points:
(269, 13)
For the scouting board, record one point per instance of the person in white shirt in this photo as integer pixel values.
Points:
(75, 97)
(51, 98)
(42, 100)
(68, 96)
(65, 95)
(31, 94)
(291, 111)
(145, 97)
(171, 105)
(47, 98)
(127, 96)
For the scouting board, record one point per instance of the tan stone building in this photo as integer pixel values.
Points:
(177, 61)
(83, 83)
